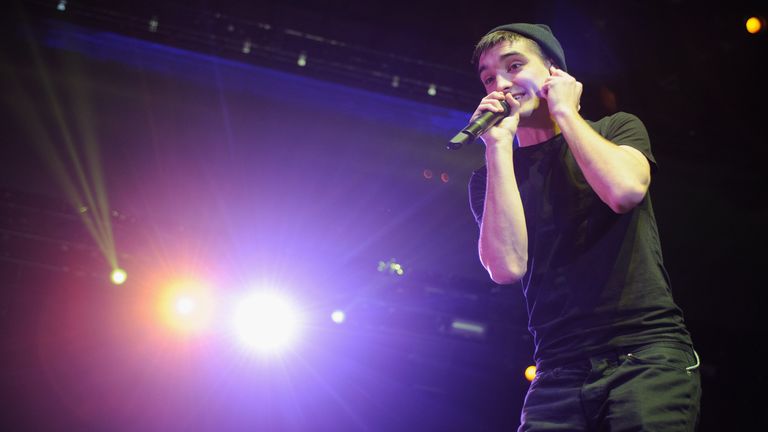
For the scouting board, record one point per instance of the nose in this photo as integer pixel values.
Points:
(502, 83)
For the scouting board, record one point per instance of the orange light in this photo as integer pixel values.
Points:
(186, 306)
(754, 25)
(530, 372)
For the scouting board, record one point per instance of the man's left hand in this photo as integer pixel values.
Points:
(562, 92)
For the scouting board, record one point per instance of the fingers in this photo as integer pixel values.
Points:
(558, 78)
(492, 102)
(555, 71)
(513, 103)
(556, 74)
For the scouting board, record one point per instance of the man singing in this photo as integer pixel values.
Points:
(564, 211)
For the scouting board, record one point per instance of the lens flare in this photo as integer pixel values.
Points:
(266, 322)
(118, 276)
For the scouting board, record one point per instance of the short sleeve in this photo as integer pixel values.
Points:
(626, 129)
(477, 193)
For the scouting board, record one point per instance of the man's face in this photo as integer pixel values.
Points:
(517, 69)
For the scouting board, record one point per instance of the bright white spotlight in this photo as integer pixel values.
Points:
(118, 276)
(266, 322)
(247, 46)
(153, 24)
(338, 316)
(302, 61)
(185, 305)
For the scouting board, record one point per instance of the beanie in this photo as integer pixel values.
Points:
(541, 34)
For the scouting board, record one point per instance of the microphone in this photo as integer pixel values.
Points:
(477, 127)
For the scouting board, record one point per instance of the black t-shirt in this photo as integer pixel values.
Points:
(595, 279)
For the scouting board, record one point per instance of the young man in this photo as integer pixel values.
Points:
(564, 211)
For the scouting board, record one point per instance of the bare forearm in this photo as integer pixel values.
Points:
(503, 244)
(620, 175)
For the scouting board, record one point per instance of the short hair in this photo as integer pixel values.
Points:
(494, 38)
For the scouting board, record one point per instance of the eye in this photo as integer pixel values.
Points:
(514, 66)
(488, 80)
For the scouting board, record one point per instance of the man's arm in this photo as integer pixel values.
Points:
(503, 243)
(620, 175)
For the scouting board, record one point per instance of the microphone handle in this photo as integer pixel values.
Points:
(477, 127)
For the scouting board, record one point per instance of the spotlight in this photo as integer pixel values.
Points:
(432, 90)
(266, 323)
(247, 46)
(467, 328)
(530, 372)
(186, 306)
(338, 316)
(302, 61)
(153, 23)
(62, 6)
(392, 266)
(754, 25)
(395, 81)
(118, 276)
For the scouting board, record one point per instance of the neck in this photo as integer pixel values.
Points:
(536, 129)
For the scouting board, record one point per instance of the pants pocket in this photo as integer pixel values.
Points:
(665, 356)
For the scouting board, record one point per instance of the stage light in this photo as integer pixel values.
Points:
(338, 316)
(428, 174)
(398, 269)
(153, 23)
(432, 90)
(62, 6)
(530, 373)
(467, 328)
(186, 305)
(754, 25)
(302, 61)
(392, 266)
(444, 177)
(247, 46)
(395, 81)
(266, 323)
(118, 276)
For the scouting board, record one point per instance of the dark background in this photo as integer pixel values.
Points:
(247, 166)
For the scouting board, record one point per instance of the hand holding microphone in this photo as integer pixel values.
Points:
(493, 110)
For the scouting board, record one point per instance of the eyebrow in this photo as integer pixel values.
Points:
(501, 58)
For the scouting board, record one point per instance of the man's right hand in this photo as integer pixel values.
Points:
(504, 131)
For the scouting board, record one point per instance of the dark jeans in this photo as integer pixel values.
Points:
(654, 387)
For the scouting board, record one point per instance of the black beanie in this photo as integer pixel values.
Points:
(543, 36)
